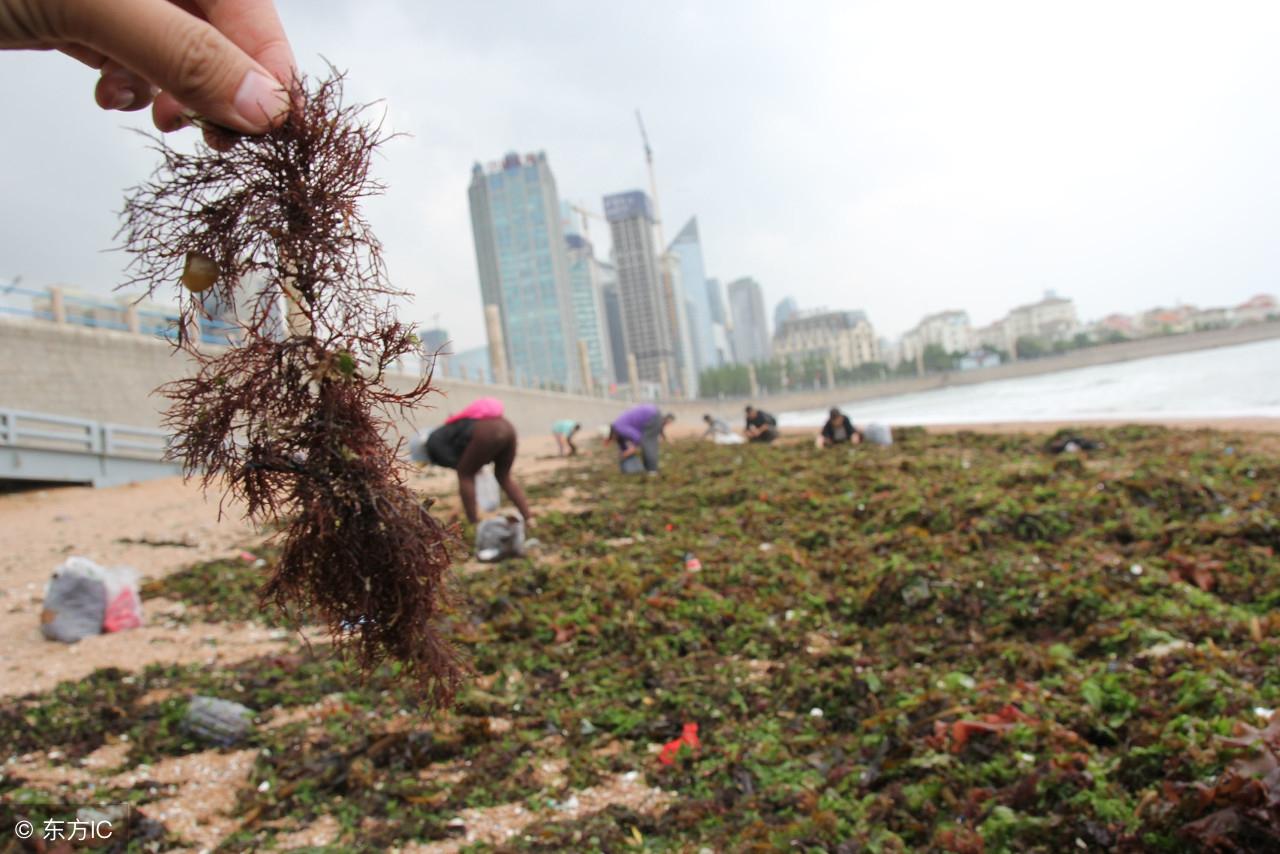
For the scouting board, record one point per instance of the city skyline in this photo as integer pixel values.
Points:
(896, 156)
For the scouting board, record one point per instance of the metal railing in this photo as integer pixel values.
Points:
(42, 431)
(38, 446)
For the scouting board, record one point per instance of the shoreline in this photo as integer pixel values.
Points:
(1226, 423)
(1238, 423)
(1139, 349)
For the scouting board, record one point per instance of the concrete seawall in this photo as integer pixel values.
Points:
(111, 376)
(1126, 351)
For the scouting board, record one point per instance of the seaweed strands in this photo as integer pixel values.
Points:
(291, 419)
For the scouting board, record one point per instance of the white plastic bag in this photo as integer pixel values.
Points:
(878, 434)
(487, 497)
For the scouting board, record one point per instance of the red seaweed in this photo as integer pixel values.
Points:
(291, 419)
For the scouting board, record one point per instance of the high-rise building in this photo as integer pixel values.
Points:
(647, 316)
(589, 322)
(687, 249)
(679, 310)
(783, 311)
(722, 340)
(750, 326)
(612, 302)
(524, 271)
(435, 350)
(433, 340)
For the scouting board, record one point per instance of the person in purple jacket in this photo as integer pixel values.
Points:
(638, 431)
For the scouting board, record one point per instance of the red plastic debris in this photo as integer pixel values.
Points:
(689, 737)
(123, 612)
(960, 731)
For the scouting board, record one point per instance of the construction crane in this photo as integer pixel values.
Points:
(584, 213)
(653, 181)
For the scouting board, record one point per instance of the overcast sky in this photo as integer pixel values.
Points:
(898, 157)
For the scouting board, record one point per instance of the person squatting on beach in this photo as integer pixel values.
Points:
(564, 430)
(761, 426)
(470, 440)
(638, 431)
(716, 427)
(719, 431)
(839, 430)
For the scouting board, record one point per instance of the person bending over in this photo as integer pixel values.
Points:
(716, 427)
(564, 431)
(638, 432)
(467, 445)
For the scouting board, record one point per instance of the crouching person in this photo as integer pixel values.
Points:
(839, 430)
(760, 426)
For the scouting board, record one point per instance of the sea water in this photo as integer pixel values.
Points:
(1225, 382)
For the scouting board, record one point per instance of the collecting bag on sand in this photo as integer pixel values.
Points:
(500, 538)
(879, 434)
(75, 601)
(83, 598)
(632, 465)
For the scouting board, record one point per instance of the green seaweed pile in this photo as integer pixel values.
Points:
(959, 643)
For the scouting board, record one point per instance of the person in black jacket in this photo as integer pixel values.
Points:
(761, 426)
(839, 430)
(467, 445)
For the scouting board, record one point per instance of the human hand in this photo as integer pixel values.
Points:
(225, 61)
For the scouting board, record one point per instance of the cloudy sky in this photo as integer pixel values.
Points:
(898, 157)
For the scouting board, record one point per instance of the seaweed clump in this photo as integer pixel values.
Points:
(291, 418)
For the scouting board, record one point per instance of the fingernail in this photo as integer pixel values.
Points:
(259, 100)
(123, 100)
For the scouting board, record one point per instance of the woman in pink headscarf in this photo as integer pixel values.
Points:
(468, 441)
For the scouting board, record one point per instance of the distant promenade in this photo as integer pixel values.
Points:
(1126, 351)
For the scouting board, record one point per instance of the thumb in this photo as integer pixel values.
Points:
(184, 56)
